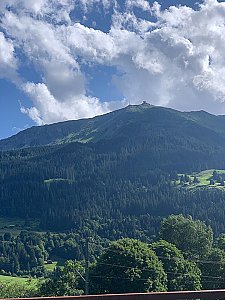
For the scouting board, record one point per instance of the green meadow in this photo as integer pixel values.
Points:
(19, 280)
(204, 179)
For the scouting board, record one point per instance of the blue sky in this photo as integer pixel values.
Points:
(71, 59)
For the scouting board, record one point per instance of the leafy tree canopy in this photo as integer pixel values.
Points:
(63, 282)
(16, 290)
(181, 274)
(128, 265)
(213, 269)
(194, 238)
(220, 242)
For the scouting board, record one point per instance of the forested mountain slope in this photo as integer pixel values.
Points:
(121, 183)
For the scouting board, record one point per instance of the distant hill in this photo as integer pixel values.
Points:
(133, 121)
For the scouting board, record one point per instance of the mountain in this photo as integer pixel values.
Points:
(114, 174)
(133, 121)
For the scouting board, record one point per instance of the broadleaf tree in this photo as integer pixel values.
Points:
(193, 237)
(181, 274)
(128, 265)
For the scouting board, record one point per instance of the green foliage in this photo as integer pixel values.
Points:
(128, 265)
(16, 290)
(22, 255)
(194, 238)
(190, 278)
(63, 282)
(220, 242)
(213, 269)
(181, 274)
(27, 254)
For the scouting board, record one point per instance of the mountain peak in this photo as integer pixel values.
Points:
(133, 121)
(139, 107)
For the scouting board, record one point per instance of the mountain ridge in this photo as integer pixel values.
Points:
(133, 120)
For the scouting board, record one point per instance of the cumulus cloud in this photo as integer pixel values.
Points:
(8, 60)
(180, 61)
(61, 95)
(177, 60)
(92, 45)
(54, 10)
(90, 4)
(47, 109)
(143, 4)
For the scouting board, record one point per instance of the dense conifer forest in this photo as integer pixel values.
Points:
(122, 183)
(124, 191)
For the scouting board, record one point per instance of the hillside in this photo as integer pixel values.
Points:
(133, 121)
(120, 180)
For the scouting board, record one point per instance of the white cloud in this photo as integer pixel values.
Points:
(143, 4)
(54, 10)
(177, 61)
(92, 4)
(62, 93)
(47, 109)
(90, 44)
(8, 61)
(181, 62)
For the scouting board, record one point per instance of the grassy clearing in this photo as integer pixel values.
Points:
(204, 179)
(51, 267)
(56, 262)
(19, 280)
(30, 281)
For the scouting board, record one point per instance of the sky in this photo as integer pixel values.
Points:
(70, 59)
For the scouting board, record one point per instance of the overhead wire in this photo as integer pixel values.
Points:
(173, 273)
(145, 279)
(168, 272)
(171, 258)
